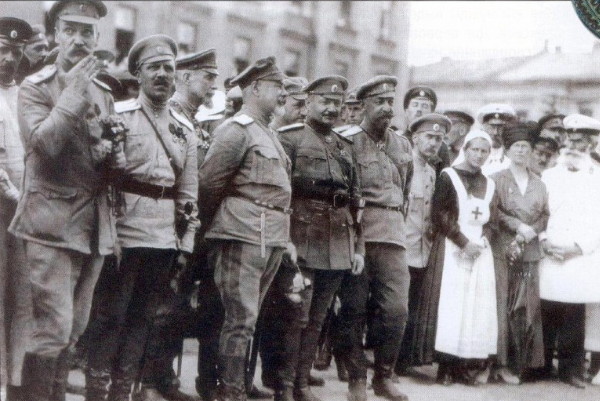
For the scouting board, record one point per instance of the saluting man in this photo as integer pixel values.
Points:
(384, 165)
(245, 188)
(63, 214)
(157, 227)
(325, 229)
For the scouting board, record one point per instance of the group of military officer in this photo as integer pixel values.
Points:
(295, 209)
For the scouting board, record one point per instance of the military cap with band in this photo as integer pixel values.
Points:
(420, 91)
(431, 122)
(294, 87)
(351, 97)
(496, 113)
(381, 85)
(264, 69)
(332, 86)
(550, 121)
(234, 93)
(205, 60)
(151, 49)
(82, 11)
(15, 31)
(38, 34)
(462, 115)
(580, 124)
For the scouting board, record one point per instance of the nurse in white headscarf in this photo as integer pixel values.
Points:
(462, 210)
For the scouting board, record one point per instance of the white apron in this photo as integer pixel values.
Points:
(467, 324)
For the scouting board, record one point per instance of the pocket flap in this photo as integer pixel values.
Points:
(52, 191)
(267, 152)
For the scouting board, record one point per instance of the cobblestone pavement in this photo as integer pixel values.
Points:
(418, 388)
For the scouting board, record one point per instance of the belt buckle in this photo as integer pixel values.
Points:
(335, 200)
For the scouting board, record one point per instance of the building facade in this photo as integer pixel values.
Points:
(549, 81)
(308, 38)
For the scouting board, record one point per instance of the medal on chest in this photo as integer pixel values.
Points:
(177, 135)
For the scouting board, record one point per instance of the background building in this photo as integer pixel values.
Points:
(549, 81)
(309, 38)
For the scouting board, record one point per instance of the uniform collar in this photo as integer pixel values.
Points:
(187, 107)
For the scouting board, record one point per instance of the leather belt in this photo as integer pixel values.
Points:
(335, 200)
(146, 189)
(267, 205)
(392, 208)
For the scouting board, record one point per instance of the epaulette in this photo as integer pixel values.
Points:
(290, 127)
(182, 119)
(243, 119)
(341, 128)
(353, 130)
(101, 84)
(43, 75)
(127, 105)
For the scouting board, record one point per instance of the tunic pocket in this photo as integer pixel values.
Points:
(267, 167)
(49, 209)
(370, 171)
(311, 163)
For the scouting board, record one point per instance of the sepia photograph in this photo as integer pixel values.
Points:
(299, 200)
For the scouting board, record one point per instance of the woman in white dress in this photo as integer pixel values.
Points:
(463, 209)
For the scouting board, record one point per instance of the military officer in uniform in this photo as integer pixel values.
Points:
(63, 214)
(419, 101)
(493, 118)
(384, 164)
(428, 132)
(461, 125)
(15, 296)
(353, 110)
(552, 126)
(34, 53)
(246, 192)
(293, 109)
(155, 231)
(324, 228)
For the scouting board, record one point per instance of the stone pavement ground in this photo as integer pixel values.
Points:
(422, 388)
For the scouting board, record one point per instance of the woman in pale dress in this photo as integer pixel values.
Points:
(463, 209)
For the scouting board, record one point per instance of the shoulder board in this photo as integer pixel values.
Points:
(102, 84)
(290, 127)
(43, 75)
(349, 131)
(243, 119)
(181, 119)
(348, 139)
(341, 128)
(127, 105)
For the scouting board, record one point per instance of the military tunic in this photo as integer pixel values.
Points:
(63, 214)
(322, 169)
(204, 139)
(245, 188)
(385, 168)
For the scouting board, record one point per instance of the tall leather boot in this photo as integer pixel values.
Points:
(383, 385)
(357, 389)
(96, 384)
(14, 393)
(284, 393)
(207, 380)
(232, 371)
(38, 377)
(61, 376)
(308, 347)
(121, 382)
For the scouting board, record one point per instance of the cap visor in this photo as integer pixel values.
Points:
(80, 18)
(161, 57)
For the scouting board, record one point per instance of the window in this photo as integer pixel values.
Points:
(341, 68)
(291, 62)
(242, 48)
(303, 8)
(344, 18)
(125, 20)
(385, 23)
(186, 37)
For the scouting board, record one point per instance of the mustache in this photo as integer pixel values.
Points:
(333, 114)
(161, 81)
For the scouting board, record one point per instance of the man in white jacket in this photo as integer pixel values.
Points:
(569, 275)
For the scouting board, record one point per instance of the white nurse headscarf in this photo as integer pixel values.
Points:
(476, 133)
